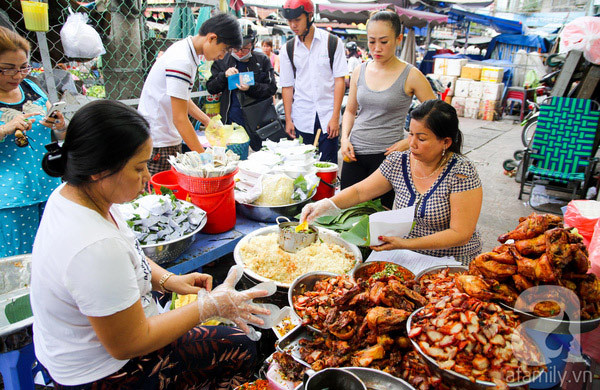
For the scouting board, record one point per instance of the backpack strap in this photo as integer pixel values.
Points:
(332, 43)
(289, 47)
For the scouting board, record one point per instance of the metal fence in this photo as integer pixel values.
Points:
(131, 47)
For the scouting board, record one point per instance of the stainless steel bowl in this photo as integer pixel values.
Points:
(452, 377)
(167, 251)
(270, 213)
(553, 325)
(374, 379)
(303, 284)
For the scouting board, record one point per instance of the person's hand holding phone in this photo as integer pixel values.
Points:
(55, 119)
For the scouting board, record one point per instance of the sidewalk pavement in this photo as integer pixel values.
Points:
(488, 144)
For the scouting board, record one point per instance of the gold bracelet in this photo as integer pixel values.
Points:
(163, 280)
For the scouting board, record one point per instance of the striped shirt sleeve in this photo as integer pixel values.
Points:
(179, 80)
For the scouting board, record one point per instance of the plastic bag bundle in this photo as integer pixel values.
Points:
(582, 34)
(217, 133)
(79, 39)
(583, 215)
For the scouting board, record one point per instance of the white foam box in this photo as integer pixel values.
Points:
(461, 89)
(445, 80)
(471, 71)
(455, 66)
(492, 91)
(440, 66)
(471, 107)
(492, 74)
(489, 110)
(459, 105)
(475, 89)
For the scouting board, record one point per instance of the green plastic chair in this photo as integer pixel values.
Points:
(561, 155)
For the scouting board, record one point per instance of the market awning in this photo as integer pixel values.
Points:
(503, 26)
(359, 13)
(468, 3)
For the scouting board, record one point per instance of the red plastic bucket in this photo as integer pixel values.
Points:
(219, 207)
(169, 180)
(326, 187)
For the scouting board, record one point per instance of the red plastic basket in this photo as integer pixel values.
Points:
(204, 185)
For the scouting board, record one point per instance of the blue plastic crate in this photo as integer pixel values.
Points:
(240, 149)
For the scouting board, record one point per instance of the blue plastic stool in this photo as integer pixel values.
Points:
(16, 368)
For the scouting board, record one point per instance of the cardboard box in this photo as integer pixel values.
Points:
(462, 87)
(455, 66)
(448, 99)
(471, 71)
(489, 110)
(471, 107)
(492, 74)
(440, 66)
(492, 91)
(475, 89)
(459, 105)
(445, 80)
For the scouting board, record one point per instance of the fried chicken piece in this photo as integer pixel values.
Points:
(531, 227)
(341, 324)
(580, 263)
(400, 289)
(384, 319)
(365, 357)
(477, 287)
(492, 269)
(376, 292)
(558, 249)
(509, 293)
(589, 289)
(536, 269)
(532, 247)
(521, 282)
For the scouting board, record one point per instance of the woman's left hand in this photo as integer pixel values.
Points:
(189, 283)
(399, 146)
(389, 243)
(55, 122)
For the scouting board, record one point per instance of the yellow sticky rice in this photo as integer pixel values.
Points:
(262, 255)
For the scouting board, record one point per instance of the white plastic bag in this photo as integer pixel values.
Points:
(79, 39)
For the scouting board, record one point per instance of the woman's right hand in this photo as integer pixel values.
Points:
(224, 301)
(20, 122)
(312, 211)
(347, 151)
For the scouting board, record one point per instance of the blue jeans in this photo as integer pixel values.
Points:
(327, 146)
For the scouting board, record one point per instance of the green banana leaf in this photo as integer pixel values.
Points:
(18, 310)
(359, 234)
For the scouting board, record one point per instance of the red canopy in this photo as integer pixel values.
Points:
(359, 13)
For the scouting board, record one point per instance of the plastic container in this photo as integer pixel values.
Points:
(326, 188)
(169, 180)
(240, 149)
(219, 207)
(35, 15)
(204, 185)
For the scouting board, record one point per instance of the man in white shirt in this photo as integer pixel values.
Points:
(166, 97)
(312, 80)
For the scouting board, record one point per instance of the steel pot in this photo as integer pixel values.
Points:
(291, 241)
(333, 379)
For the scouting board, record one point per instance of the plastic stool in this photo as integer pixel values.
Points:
(16, 368)
(518, 95)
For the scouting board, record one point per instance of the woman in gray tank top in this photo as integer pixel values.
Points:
(380, 95)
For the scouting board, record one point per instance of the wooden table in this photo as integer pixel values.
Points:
(209, 247)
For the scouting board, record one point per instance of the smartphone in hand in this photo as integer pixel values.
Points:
(56, 107)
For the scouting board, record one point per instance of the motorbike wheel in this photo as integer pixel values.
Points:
(528, 131)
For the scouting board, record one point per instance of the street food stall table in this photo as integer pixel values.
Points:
(209, 247)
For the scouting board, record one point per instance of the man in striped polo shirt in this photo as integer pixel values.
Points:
(165, 100)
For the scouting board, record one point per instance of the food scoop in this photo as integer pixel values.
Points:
(292, 240)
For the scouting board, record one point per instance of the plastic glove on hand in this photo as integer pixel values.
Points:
(224, 301)
(324, 207)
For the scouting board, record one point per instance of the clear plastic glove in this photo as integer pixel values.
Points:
(312, 211)
(224, 301)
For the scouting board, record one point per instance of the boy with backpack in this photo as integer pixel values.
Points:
(312, 70)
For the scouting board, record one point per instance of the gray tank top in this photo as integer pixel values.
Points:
(381, 115)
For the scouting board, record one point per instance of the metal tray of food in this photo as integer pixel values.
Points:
(291, 343)
(305, 283)
(328, 236)
(452, 269)
(454, 378)
(375, 379)
(553, 325)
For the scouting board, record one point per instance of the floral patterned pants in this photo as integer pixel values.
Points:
(207, 357)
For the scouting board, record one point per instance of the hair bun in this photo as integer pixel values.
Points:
(54, 161)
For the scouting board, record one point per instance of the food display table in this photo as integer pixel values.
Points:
(209, 247)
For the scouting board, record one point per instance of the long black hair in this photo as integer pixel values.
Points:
(102, 137)
(440, 117)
